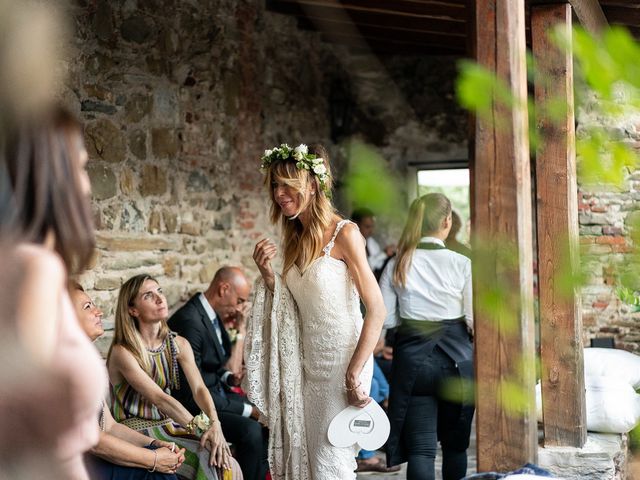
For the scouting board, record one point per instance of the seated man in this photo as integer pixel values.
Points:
(201, 321)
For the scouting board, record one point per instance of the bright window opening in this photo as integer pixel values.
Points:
(454, 183)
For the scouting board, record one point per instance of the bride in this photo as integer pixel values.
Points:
(308, 349)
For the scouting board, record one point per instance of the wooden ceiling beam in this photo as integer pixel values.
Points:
(387, 47)
(403, 36)
(404, 8)
(322, 14)
(621, 3)
(590, 15)
(622, 15)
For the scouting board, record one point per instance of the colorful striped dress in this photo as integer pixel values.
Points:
(135, 411)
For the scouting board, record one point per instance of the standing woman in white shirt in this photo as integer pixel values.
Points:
(427, 293)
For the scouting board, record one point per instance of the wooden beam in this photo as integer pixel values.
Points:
(405, 8)
(409, 36)
(562, 368)
(394, 46)
(322, 14)
(622, 15)
(590, 14)
(506, 424)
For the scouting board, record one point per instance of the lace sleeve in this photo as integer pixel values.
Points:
(273, 357)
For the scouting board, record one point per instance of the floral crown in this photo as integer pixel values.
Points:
(304, 161)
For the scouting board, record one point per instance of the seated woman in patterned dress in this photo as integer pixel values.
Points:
(121, 452)
(143, 368)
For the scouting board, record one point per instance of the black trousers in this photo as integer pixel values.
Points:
(250, 441)
(432, 418)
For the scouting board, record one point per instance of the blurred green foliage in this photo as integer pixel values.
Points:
(370, 183)
(607, 93)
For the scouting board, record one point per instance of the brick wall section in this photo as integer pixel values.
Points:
(604, 214)
(179, 99)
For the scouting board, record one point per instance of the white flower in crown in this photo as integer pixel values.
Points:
(300, 152)
(304, 161)
(319, 169)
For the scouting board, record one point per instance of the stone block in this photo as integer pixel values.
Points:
(105, 141)
(214, 244)
(109, 216)
(599, 459)
(166, 109)
(103, 21)
(171, 265)
(99, 92)
(103, 181)
(127, 181)
(594, 219)
(100, 107)
(595, 249)
(223, 222)
(198, 182)
(119, 260)
(131, 243)
(137, 29)
(191, 228)
(155, 222)
(137, 107)
(153, 180)
(138, 143)
(105, 282)
(170, 220)
(164, 142)
(208, 271)
(132, 218)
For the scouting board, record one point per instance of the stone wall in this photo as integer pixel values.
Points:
(604, 216)
(179, 98)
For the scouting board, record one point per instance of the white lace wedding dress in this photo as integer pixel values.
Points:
(299, 345)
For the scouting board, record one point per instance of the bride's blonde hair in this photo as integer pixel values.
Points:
(426, 215)
(301, 245)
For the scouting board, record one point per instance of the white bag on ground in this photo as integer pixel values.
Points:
(613, 406)
(612, 363)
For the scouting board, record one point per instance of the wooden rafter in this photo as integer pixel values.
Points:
(590, 14)
(420, 9)
(372, 19)
(446, 18)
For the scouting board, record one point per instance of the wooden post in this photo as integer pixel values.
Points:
(504, 338)
(557, 211)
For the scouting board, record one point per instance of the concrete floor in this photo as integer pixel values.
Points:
(401, 475)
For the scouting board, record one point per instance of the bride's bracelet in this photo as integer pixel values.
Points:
(351, 389)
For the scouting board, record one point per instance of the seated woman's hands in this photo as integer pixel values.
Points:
(214, 441)
(167, 460)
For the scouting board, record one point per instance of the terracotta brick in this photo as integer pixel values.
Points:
(611, 240)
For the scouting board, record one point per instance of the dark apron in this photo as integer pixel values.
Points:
(415, 341)
(410, 352)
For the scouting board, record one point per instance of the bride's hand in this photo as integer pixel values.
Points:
(358, 397)
(214, 441)
(263, 253)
